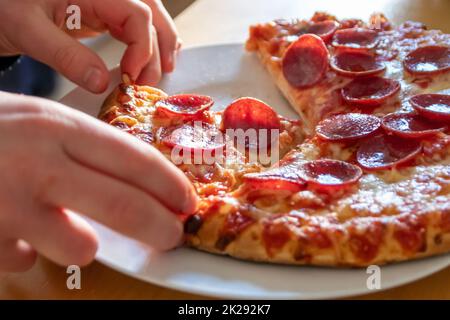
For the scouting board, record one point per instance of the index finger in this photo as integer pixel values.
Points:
(99, 146)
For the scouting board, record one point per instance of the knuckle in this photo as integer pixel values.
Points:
(47, 181)
(65, 58)
(125, 215)
(144, 11)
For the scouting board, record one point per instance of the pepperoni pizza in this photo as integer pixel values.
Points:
(363, 176)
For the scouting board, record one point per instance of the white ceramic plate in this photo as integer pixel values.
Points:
(226, 72)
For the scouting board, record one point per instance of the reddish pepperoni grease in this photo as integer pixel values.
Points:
(410, 233)
(355, 38)
(432, 106)
(324, 29)
(356, 64)
(370, 91)
(347, 127)
(365, 245)
(235, 224)
(428, 60)
(315, 235)
(384, 152)
(305, 61)
(445, 220)
(198, 136)
(185, 104)
(328, 174)
(410, 125)
(275, 235)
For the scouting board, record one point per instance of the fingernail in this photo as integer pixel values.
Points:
(93, 79)
(179, 44)
(171, 62)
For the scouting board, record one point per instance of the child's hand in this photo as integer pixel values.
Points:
(35, 28)
(53, 157)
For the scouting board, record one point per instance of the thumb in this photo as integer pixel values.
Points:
(68, 56)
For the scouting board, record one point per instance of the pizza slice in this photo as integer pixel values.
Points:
(325, 66)
(363, 177)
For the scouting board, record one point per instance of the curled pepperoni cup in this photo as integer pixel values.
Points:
(324, 29)
(355, 38)
(251, 113)
(305, 61)
(279, 178)
(191, 137)
(433, 106)
(327, 173)
(356, 64)
(428, 60)
(347, 127)
(384, 152)
(185, 104)
(410, 125)
(369, 91)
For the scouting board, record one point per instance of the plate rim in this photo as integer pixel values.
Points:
(337, 294)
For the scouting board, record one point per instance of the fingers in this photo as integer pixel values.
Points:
(119, 155)
(129, 21)
(16, 255)
(151, 74)
(167, 35)
(57, 49)
(120, 206)
(62, 237)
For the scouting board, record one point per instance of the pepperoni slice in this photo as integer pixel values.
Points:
(410, 125)
(385, 151)
(349, 126)
(433, 106)
(428, 60)
(356, 64)
(324, 29)
(283, 177)
(370, 91)
(185, 104)
(355, 38)
(305, 62)
(327, 173)
(293, 176)
(197, 136)
(251, 113)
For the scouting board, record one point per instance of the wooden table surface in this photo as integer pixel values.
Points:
(206, 22)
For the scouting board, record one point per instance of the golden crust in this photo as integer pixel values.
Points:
(248, 247)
